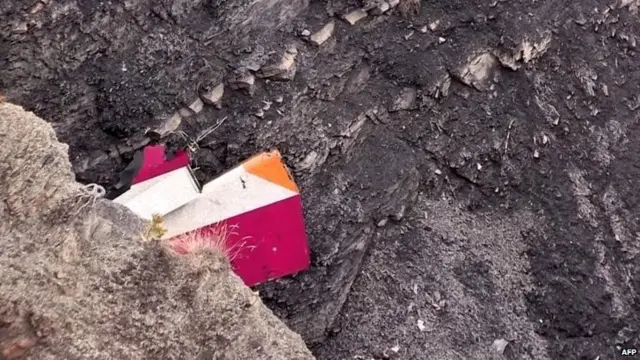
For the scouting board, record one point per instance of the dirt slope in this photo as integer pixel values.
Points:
(468, 174)
(78, 282)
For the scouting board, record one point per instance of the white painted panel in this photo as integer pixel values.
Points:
(231, 194)
(137, 189)
(172, 191)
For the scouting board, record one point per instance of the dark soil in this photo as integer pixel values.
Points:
(501, 207)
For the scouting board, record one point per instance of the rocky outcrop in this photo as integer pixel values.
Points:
(77, 280)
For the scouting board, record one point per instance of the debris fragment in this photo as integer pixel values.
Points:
(179, 210)
(266, 238)
(478, 166)
(266, 106)
(605, 89)
(260, 114)
(214, 96)
(323, 34)
(438, 172)
(279, 99)
(149, 200)
(355, 16)
(305, 33)
(536, 154)
(424, 29)
(506, 141)
(442, 40)
(434, 25)
(395, 348)
(500, 345)
(545, 139)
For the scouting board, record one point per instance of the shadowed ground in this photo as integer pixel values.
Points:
(468, 174)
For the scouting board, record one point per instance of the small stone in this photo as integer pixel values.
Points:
(21, 28)
(500, 345)
(536, 154)
(478, 166)
(285, 69)
(406, 100)
(324, 34)
(382, 222)
(421, 326)
(260, 113)
(355, 16)
(266, 106)
(308, 162)
(167, 126)
(400, 214)
(605, 89)
(214, 96)
(197, 106)
(245, 81)
(424, 29)
(441, 40)
(396, 348)
(393, 3)
(434, 25)
(305, 33)
(381, 8)
(438, 172)
(545, 139)
(36, 8)
(279, 99)
(185, 112)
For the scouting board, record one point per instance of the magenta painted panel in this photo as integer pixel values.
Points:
(155, 164)
(267, 243)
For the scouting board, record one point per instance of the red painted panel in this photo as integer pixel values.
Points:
(155, 163)
(264, 244)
